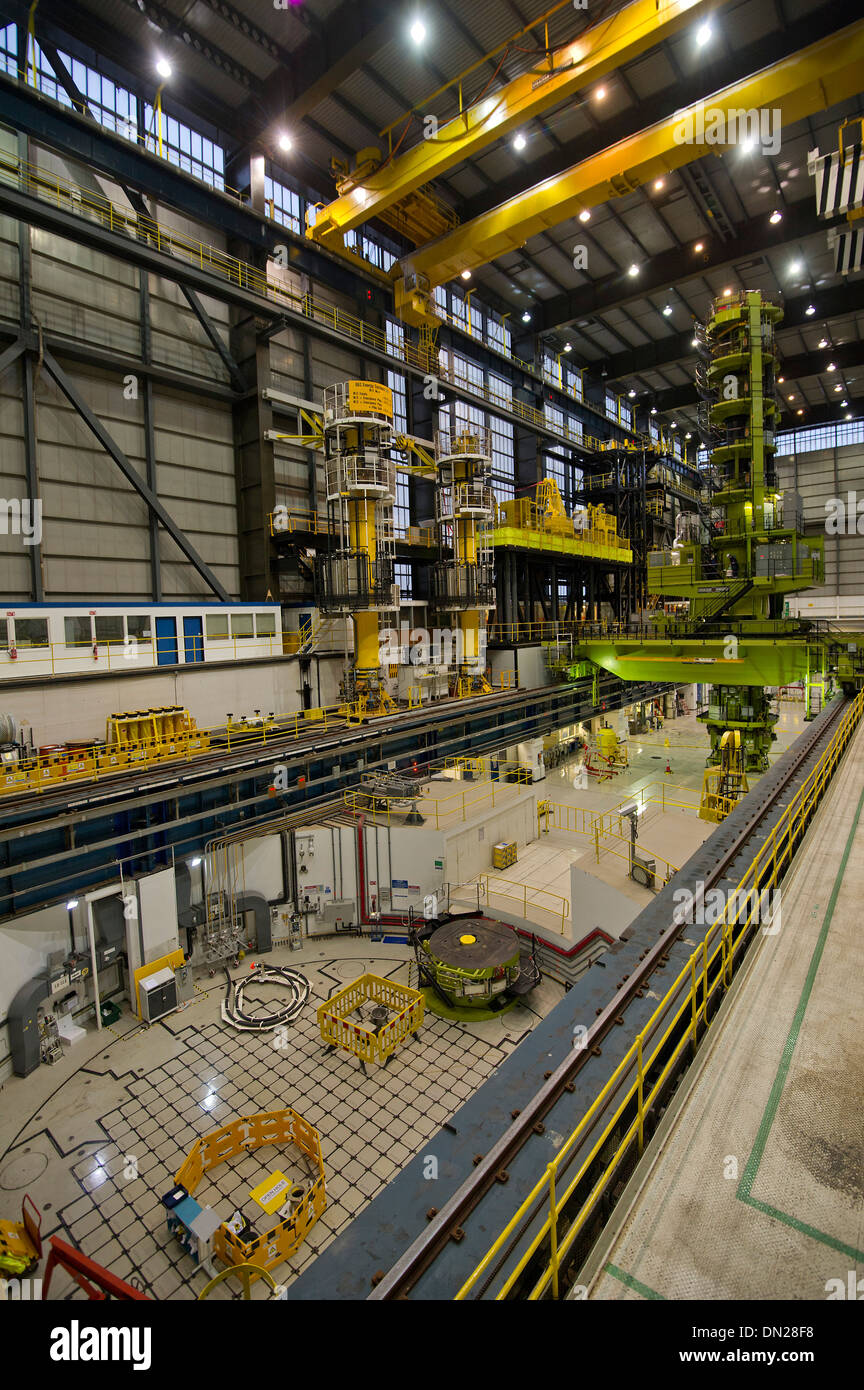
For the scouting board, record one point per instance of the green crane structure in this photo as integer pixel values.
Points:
(736, 561)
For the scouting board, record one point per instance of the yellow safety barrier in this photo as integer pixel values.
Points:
(637, 1084)
(525, 896)
(280, 1127)
(370, 1044)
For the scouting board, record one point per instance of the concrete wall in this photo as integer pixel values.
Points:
(830, 473)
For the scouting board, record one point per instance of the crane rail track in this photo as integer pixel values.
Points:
(491, 1274)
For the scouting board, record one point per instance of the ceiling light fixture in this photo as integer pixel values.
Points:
(704, 34)
(466, 274)
(799, 412)
(73, 902)
(526, 317)
(844, 402)
(164, 69)
(699, 246)
(659, 185)
(838, 387)
(285, 142)
(520, 142)
(600, 94)
(568, 347)
(584, 215)
(418, 31)
(653, 410)
(810, 310)
(633, 269)
(631, 394)
(823, 342)
(667, 311)
(775, 218)
(832, 367)
(795, 268)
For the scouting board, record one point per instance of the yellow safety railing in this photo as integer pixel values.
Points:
(284, 521)
(525, 895)
(549, 631)
(637, 1083)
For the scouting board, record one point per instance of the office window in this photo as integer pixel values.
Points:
(265, 624)
(284, 205)
(216, 626)
(186, 148)
(109, 632)
(9, 50)
(76, 631)
(138, 628)
(31, 632)
(241, 625)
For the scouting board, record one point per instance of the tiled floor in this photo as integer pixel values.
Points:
(97, 1138)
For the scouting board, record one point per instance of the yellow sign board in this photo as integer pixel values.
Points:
(272, 1193)
(370, 395)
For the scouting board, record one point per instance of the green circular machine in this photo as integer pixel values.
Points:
(473, 963)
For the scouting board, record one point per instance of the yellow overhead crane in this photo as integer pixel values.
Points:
(816, 78)
(376, 185)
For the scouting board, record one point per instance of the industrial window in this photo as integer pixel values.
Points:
(114, 107)
(109, 632)
(439, 294)
(241, 625)
(376, 254)
(265, 624)
(216, 626)
(77, 631)
(551, 370)
(554, 417)
(186, 148)
(820, 437)
(498, 334)
(611, 406)
(573, 380)
(500, 391)
(469, 316)
(9, 52)
(556, 469)
(574, 428)
(285, 206)
(395, 339)
(138, 627)
(502, 457)
(626, 415)
(403, 579)
(31, 632)
(396, 382)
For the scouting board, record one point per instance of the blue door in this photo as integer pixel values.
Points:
(166, 641)
(193, 639)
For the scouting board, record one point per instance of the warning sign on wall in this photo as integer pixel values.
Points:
(370, 395)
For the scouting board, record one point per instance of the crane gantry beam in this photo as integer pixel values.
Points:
(812, 80)
(597, 51)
